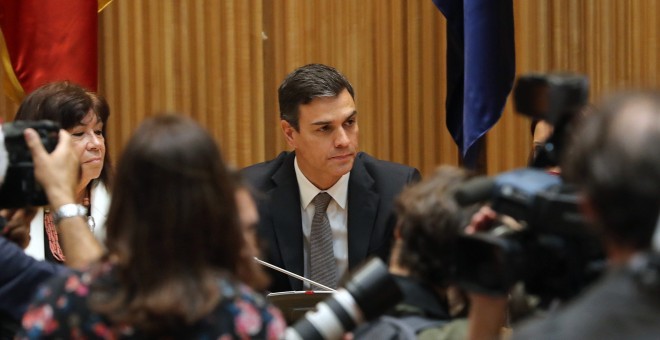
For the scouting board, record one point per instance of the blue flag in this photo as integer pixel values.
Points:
(481, 68)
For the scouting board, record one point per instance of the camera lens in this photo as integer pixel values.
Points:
(369, 293)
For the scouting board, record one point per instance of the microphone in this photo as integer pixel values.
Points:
(475, 190)
(272, 266)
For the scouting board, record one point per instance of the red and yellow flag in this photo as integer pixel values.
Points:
(48, 40)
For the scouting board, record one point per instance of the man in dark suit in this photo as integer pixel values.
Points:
(319, 121)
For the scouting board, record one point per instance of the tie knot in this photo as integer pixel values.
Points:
(321, 201)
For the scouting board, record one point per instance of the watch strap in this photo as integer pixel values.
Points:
(69, 210)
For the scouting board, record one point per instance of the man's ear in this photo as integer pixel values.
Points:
(288, 133)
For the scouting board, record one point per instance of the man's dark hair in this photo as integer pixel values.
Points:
(429, 223)
(615, 159)
(306, 83)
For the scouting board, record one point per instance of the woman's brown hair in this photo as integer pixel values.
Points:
(172, 228)
(67, 104)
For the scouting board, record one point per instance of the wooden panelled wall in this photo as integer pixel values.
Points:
(220, 61)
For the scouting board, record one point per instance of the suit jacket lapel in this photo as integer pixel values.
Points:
(285, 203)
(362, 211)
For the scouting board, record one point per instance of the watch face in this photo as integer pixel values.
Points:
(69, 210)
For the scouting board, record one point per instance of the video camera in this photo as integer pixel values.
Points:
(20, 189)
(549, 249)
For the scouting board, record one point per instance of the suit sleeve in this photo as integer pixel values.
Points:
(20, 277)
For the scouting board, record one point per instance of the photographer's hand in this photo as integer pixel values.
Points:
(482, 220)
(487, 314)
(58, 173)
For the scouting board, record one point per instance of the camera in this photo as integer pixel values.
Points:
(556, 99)
(551, 97)
(20, 189)
(550, 248)
(368, 294)
(547, 245)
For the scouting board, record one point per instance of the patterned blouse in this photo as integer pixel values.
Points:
(60, 311)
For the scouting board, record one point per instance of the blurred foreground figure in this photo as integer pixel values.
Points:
(614, 160)
(423, 254)
(20, 274)
(174, 248)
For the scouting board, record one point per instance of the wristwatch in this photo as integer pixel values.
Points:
(69, 210)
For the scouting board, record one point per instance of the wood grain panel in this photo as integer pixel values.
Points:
(613, 42)
(222, 61)
(200, 58)
(391, 51)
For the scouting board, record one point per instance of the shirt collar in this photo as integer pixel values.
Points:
(308, 191)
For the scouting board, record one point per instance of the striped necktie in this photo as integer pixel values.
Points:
(322, 258)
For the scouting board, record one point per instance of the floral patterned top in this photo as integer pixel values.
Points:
(60, 311)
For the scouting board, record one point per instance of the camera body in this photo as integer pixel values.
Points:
(20, 189)
(557, 99)
(550, 97)
(551, 251)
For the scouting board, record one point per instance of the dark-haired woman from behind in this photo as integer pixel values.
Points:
(84, 115)
(175, 248)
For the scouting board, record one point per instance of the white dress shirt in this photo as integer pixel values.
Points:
(337, 215)
(100, 204)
